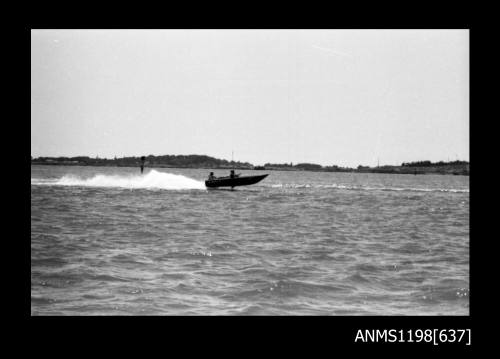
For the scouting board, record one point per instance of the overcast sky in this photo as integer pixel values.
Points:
(344, 97)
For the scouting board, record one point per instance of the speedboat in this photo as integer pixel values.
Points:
(234, 181)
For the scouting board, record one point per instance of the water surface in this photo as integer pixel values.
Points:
(108, 241)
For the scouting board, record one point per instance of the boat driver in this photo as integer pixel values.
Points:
(211, 176)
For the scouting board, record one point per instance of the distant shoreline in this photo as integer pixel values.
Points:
(447, 169)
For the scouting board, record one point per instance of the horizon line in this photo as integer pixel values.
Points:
(285, 162)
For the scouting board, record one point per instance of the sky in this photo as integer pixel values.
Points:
(331, 97)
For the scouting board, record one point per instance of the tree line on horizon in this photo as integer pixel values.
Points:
(151, 160)
(432, 164)
(212, 162)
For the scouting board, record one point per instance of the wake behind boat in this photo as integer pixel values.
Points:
(233, 180)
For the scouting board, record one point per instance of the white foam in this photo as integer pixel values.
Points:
(42, 181)
(153, 180)
(366, 188)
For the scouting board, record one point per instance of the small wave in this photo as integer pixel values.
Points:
(292, 185)
(152, 180)
(357, 278)
(365, 188)
(420, 189)
(41, 300)
(446, 295)
(109, 278)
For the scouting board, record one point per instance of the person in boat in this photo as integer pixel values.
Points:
(233, 175)
(211, 176)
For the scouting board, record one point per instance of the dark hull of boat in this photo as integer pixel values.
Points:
(234, 182)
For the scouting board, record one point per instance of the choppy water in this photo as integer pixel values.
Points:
(108, 241)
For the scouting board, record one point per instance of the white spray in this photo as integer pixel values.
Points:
(153, 180)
